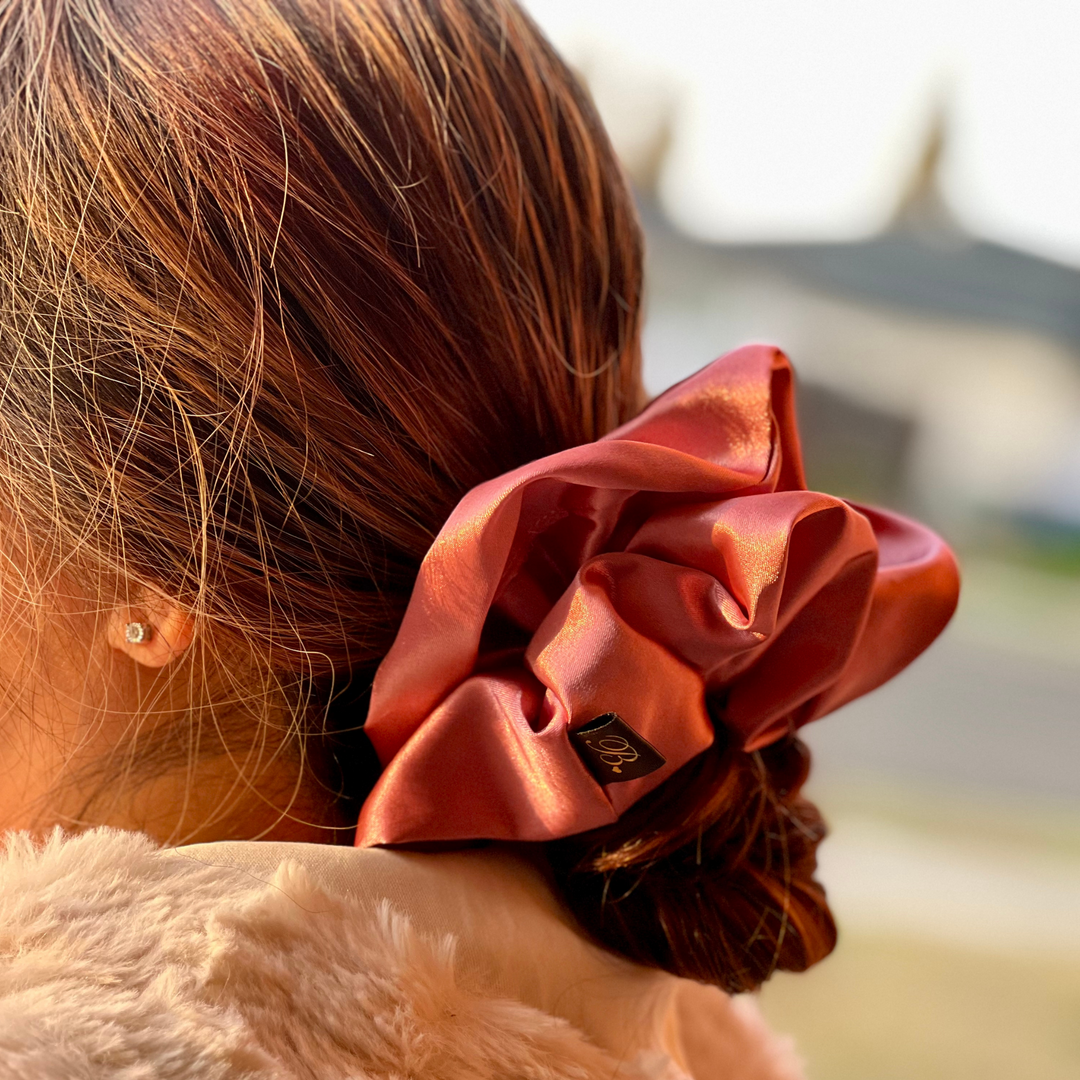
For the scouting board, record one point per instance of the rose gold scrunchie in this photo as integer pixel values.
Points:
(676, 573)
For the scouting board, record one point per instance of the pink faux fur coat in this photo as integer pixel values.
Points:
(268, 961)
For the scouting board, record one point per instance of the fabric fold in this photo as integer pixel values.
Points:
(676, 572)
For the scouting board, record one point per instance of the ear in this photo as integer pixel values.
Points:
(152, 634)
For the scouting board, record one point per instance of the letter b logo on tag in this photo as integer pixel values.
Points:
(613, 751)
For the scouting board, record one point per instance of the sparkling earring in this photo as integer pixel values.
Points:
(137, 633)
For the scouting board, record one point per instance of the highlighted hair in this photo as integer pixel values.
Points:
(280, 280)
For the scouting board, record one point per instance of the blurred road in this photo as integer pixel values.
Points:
(992, 706)
(966, 713)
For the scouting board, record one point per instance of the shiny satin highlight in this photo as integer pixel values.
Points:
(676, 572)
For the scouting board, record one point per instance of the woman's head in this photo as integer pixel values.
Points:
(280, 280)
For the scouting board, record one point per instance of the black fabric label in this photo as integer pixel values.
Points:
(613, 751)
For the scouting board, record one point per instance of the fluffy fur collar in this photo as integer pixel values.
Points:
(121, 961)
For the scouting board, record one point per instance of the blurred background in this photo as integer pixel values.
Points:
(891, 193)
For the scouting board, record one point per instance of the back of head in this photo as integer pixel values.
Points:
(280, 281)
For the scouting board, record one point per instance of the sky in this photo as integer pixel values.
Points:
(809, 120)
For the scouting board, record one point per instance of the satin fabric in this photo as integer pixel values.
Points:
(676, 572)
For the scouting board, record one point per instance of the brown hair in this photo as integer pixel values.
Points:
(280, 280)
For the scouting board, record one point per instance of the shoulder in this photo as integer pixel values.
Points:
(249, 960)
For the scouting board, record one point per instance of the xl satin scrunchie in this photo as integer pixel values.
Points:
(676, 573)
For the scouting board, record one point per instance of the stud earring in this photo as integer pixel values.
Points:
(137, 633)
